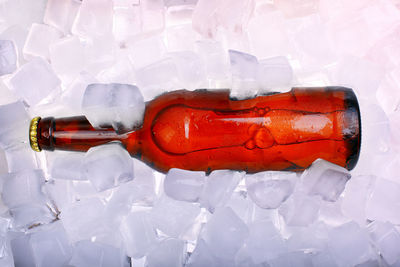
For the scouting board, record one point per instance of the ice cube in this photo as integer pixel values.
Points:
(67, 58)
(8, 57)
(13, 118)
(126, 22)
(298, 9)
(325, 179)
(87, 254)
(121, 71)
(356, 194)
(50, 246)
(218, 188)
(21, 157)
(225, 233)
(203, 256)
(60, 192)
(184, 185)
(300, 209)
(81, 219)
(22, 188)
(118, 105)
(22, 12)
(264, 242)
(173, 217)
(270, 189)
(138, 234)
(384, 201)
(308, 239)
(31, 215)
(146, 51)
(388, 96)
(107, 166)
(21, 249)
(158, 77)
(191, 70)
(241, 204)
(169, 252)
(61, 14)
(180, 38)
(94, 18)
(274, 73)
(386, 238)
(17, 34)
(73, 95)
(152, 18)
(3, 162)
(39, 38)
(244, 72)
(26, 85)
(323, 258)
(349, 244)
(170, 3)
(67, 167)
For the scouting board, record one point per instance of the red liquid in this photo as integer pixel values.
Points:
(205, 130)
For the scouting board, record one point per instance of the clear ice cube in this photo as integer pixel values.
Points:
(67, 167)
(144, 52)
(138, 234)
(386, 238)
(270, 189)
(13, 118)
(184, 185)
(8, 57)
(61, 14)
(21, 249)
(218, 188)
(274, 73)
(25, 79)
(39, 38)
(169, 252)
(300, 209)
(118, 105)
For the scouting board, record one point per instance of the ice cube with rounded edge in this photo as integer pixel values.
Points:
(168, 252)
(67, 57)
(219, 187)
(138, 234)
(107, 166)
(383, 202)
(386, 238)
(145, 51)
(87, 254)
(21, 157)
(17, 34)
(225, 233)
(82, 219)
(8, 57)
(300, 209)
(94, 18)
(215, 58)
(23, 188)
(349, 244)
(126, 22)
(26, 85)
(274, 73)
(184, 185)
(50, 245)
(61, 14)
(67, 166)
(60, 193)
(73, 95)
(173, 217)
(13, 119)
(38, 41)
(270, 189)
(325, 179)
(118, 105)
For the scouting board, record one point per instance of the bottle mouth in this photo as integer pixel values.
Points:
(33, 136)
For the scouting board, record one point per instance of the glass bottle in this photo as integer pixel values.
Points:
(206, 130)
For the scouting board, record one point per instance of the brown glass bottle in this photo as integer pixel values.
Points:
(206, 130)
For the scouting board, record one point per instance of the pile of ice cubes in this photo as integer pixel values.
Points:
(104, 58)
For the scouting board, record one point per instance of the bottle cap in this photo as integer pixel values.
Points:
(33, 134)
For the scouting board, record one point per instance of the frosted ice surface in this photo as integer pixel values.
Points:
(107, 166)
(60, 192)
(270, 189)
(225, 233)
(298, 9)
(17, 34)
(241, 204)
(50, 246)
(67, 58)
(169, 252)
(88, 254)
(355, 197)
(300, 209)
(81, 219)
(22, 250)
(383, 202)
(73, 95)
(94, 18)
(21, 157)
(29, 215)
(118, 105)
(325, 179)
(3, 162)
(264, 242)
(22, 188)
(180, 38)
(218, 188)
(388, 94)
(61, 14)
(152, 16)
(8, 57)
(204, 19)
(244, 73)
(158, 77)
(25, 84)
(191, 70)
(121, 71)
(386, 238)
(349, 244)
(138, 234)
(146, 51)
(308, 239)
(171, 3)
(323, 259)
(184, 185)
(126, 22)
(13, 118)
(67, 167)
(39, 38)
(173, 217)
(274, 73)
(202, 256)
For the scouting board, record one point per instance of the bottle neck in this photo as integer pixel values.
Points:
(71, 133)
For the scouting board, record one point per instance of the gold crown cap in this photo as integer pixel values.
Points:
(33, 134)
